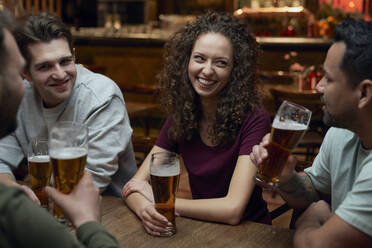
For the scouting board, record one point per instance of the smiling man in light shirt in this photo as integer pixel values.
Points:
(336, 190)
(59, 90)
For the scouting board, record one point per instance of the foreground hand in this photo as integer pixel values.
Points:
(153, 222)
(139, 186)
(83, 204)
(315, 215)
(30, 194)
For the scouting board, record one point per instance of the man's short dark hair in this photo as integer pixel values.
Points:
(6, 22)
(40, 28)
(357, 60)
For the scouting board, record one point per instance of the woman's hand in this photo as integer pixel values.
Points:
(139, 186)
(153, 222)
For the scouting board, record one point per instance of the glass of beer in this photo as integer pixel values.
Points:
(68, 149)
(165, 176)
(39, 168)
(288, 128)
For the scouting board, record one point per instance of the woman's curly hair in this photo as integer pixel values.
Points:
(238, 96)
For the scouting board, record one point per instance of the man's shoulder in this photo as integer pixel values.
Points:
(340, 134)
(95, 83)
(338, 141)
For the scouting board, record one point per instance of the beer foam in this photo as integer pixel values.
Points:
(68, 153)
(165, 171)
(288, 125)
(39, 159)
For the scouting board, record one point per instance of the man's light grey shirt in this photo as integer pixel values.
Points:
(95, 101)
(343, 168)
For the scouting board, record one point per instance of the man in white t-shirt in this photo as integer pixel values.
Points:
(337, 190)
(59, 90)
(22, 222)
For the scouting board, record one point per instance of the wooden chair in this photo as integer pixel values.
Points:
(314, 136)
(145, 89)
(147, 93)
(142, 146)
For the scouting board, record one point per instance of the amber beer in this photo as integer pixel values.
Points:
(283, 139)
(68, 167)
(165, 176)
(164, 189)
(40, 172)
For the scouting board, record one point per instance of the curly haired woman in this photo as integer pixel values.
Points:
(208, 85)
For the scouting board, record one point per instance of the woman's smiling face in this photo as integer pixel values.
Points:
(210, 64)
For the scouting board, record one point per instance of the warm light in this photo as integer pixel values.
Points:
(349, 5)
(355, 5)
(361, 6)
(239, 11)
(296, 9)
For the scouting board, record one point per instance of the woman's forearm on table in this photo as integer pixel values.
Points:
(228, 209)
(218, 209)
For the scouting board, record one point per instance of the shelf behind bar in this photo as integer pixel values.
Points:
(151, 40)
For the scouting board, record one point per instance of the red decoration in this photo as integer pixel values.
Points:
(349, 5)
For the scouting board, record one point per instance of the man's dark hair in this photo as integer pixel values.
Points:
(357, 60)
(41, 28)
(6, 22)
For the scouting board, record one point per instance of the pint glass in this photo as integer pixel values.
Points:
(68, 149)
(39, 168)
(165, 176)
(289, 126)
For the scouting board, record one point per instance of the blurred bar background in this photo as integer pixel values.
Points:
(124, 40)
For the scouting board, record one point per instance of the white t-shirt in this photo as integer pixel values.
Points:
(343, 168)
(51, 115)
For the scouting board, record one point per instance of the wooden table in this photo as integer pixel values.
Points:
(128, 229)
